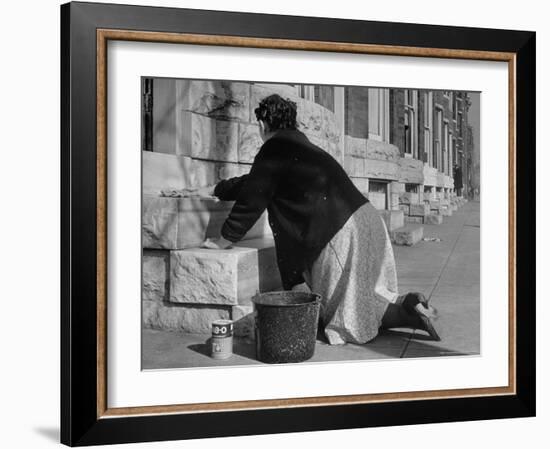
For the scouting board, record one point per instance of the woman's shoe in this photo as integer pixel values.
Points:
(411, 299)
(426, 315)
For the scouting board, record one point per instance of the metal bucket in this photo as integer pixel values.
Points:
(286, 326)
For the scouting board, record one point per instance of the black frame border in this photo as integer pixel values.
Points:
(80, 424)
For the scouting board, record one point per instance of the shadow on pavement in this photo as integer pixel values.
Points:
(241, 347)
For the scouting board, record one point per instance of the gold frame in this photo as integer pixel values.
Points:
(104, 35)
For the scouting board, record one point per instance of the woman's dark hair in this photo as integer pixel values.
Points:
(277, 112)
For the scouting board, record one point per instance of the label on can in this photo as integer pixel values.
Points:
(222, 328)
(222, 348)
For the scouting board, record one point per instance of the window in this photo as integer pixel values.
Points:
(306, 92)
(379, 114)
(445, 137)
(411, 122)
(455, 109)
(452, 143)
(378, 194)
(428, 128)
(324, 95)
(438, 144)
(147, 115)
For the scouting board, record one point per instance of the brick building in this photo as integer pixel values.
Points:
(399, 146)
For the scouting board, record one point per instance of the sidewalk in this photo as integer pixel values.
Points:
(447, 272)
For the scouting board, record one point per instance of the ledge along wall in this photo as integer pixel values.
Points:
(206, 131)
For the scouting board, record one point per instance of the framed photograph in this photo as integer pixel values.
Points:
(283, 224)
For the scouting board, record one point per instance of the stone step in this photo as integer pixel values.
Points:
(179, 223)
(393, 218)
(417, 220)
(405, 208)
(185, 290)
(433, 219)
(408, 235)
(206, 276)
(229, 277)
(419, 210)
(196, 319)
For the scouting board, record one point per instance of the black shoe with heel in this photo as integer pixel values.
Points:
(417, 305)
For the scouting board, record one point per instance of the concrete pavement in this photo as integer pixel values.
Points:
(447, 272)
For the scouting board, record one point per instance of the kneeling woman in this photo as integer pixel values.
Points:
(327, 234)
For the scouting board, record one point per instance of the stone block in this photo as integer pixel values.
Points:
(178, 223)
(155, 269)
(430, 175)
(433, 219)
(408, 235)
(397, 187)
(382, 151)
(310, 118)
(394, 201)
(181, 317)
(408, 198)
(210, 139)
(223, 277)
(166, 171)
(454, 207)
(355, 146)
(227, 100)
(411, 219)
(411, 170)
(405, 208)
(249, 142)
(243, 321)
(380, 169)
(335, 149)
(419, 210)
(169, 171)
(427, 196)
(394, 219)
(446, 211)
(330, 128)
(284, 90)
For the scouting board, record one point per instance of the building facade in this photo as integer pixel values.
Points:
(397, 145)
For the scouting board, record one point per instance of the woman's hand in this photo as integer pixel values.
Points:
(303, 287)
(219, 243)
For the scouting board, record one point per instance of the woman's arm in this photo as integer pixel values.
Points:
(255, 192)
(202, 192)
(229, 189)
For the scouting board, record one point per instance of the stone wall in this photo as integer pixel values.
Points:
(212, 129)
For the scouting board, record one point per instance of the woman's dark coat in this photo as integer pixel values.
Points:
(306, 192)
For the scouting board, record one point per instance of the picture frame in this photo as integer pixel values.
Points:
(86, 28)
